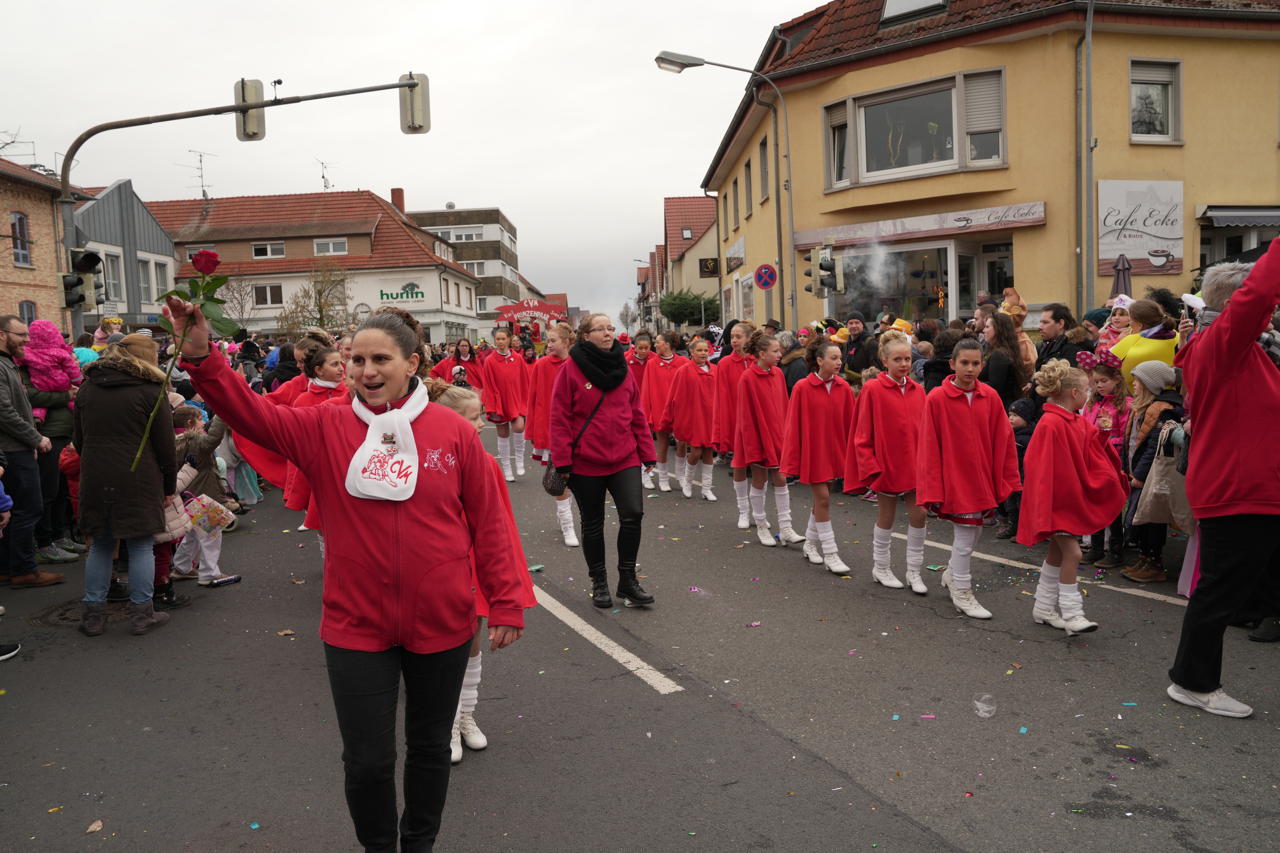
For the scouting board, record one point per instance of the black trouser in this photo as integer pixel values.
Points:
(366, 686)
(54, 492)
(1151, 539)
(1239, 561)
(1099, 539)
(22, 484)
(628, 497)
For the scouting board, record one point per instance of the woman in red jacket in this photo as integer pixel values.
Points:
(659, 374)
(882, 456)
(1074, 486)
(729, 370)
(757, 436)
(506, 400)
(464, 356)
(966, 464)
(599, 437)
(819, 417)
(541, 382)
(690, 416)
(407, 503)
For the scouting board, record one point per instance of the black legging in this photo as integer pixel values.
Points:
(589, 492)
(366, 686)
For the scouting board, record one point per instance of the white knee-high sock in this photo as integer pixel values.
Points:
(1070, 602)
(682, 468)
(880, 541)
(697, 475)
(782, 502)
(965, 539)
(504, 451)
(517, 441)
(661, 468)
(1047, 588)
(811, 532)
(742, 490)
(915, 548)
(470, 686)
(757, 506)
(827, 536)
(564, 513)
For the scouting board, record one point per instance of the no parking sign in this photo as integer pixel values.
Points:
(766, 276)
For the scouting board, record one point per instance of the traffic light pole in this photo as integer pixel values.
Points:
(67, 202)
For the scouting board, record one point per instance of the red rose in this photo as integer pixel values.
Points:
(205, 261)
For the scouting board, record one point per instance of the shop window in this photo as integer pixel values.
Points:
(1153, 101)
(19, 231)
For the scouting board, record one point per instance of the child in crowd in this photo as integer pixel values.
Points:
(1073, 485)
(1108, 410)
(324, 372)
(1116, 327)
(1154, 402)
(690, 416)
(659, 374)
(965, 465)
(177, 524)
(637, 359)
(541, 382)
(506, 400)
(197, 547)
(463, 355)
(757, 443)
(49, 363)
(729, 369)
(1022, 417)
(819, 416)
(881, 455)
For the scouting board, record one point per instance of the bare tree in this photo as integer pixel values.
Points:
(323, 301)
(628, 315)
(240, 304)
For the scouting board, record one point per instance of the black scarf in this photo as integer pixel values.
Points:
(605, 369)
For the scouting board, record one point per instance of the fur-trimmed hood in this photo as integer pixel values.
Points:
(791, 356)
(112, 369)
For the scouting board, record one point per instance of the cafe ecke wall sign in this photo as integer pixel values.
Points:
(1142, 220)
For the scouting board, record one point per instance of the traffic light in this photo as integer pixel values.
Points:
(821, 271)
(415, 105)
(72, 290)
(86, 270)
(251, 125)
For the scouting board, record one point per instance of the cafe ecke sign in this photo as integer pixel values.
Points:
(1144, 221)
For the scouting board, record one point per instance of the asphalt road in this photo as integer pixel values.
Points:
(843, 720)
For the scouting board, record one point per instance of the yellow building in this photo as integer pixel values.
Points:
(940, 150)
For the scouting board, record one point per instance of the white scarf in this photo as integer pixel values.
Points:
(385, 466)
(325, 383)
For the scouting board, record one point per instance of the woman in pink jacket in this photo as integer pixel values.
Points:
(599, 436)
(408, 500)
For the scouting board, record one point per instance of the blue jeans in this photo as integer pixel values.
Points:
(97, 568)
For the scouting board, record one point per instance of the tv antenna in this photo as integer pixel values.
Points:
(199, 169)
(324, 174)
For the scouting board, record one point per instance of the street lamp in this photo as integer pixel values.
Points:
(677, 62)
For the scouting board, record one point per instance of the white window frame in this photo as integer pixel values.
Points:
(190, 251)
(470, 299)
(686, 233)
(21, 238)
(269, 250)
(146, 279)
(329, 244)
(763, 159)
(115, 286)
(160, 278)
(908, 171)
(268, 303)
(476, 268)
(482, 304)
(1174, 136)
(473, 234)
(746, 188)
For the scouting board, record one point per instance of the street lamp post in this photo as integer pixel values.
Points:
(677, 62)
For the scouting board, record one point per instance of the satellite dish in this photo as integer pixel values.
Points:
(448, 205)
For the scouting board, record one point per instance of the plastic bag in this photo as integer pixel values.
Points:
(208, 515)
(1164, 494)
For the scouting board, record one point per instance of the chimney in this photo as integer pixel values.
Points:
(397, 198)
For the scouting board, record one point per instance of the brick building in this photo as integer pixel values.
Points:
(32, 260)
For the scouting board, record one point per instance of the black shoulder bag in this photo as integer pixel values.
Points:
(553, 482)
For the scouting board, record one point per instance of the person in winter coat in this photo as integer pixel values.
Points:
(50, 364)
(405, 492)
(938, 366)
(600, 438)
(1002, 366)
(659, 375)
(1152, 337)
(794, 364)
(111, 422)
(1153, 403)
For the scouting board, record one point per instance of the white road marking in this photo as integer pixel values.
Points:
(992, 558)
(642, 670)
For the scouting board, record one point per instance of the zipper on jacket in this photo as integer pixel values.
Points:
(399, 585)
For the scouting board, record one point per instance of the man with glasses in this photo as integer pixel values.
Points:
(21, 442)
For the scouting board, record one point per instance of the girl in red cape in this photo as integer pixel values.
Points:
(541, 382)
(757, 436)
(1074, 486)
(506, 400)
(464, 356)
(637, 359)
(882, 456)
(966, 464)
(819, 416)
(466, 402)
(729, 370)
(323, 369)
(659, 373)
(690, 416)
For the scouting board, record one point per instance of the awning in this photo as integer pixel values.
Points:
(1240, 216)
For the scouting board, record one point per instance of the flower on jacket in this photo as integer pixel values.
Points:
(205, 261)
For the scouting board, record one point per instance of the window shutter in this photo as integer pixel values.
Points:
(1152, 72)
(983, 104)
(838, 114)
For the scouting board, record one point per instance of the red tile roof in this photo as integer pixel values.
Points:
(396, 242)
(17, 171)
(696, 212)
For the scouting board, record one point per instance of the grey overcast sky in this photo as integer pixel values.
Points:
(552, 110)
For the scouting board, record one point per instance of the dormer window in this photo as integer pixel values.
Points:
(898, 11)
(332, 246)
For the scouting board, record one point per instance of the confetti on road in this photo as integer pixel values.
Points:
(298, 581)
(55, 809)
(934, 568)
(695, 589)
(537, 568)
(255, 825)
(928, 716)
(1123, 746)
(753, 624)
(1129, 704)
(287, 632)
(896, 717)
(1023, 730)
(96, 826)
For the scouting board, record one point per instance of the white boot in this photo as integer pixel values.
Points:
(682, 474)
(1071, 604)
(830, 553)
(470, 732)
(455, 743)
(763, 535)
(663, 477)
(756, 498)
(564, 514)
(782, 502)
(915, 560)
(705, 480)
(742, 491)
(963, 599)
(812, 552)
(646, 479)
(517, 448)
(880, 570)
(1045, 610)
(504, 457)
(686, 482)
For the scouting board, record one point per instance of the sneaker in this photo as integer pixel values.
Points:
(764, 536)
(54, 554)
(834, 564)
(812, 553)
(788, 536)
(1006, 531)
(455, 744)
(1150, 572)
(1048, 616)
(8, 650)
(1092, 556)
(472, 737)
(175, 575)
(70, 545)
(869, 496)
(1267, 631)
(1216, 702)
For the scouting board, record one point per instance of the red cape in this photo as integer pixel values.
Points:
(475, 371)
(541, 381)
(506, 385)
(658, 376)
(273, 467)
(297, 493)
(881, 453)
(526, 596)
(729, 370)
(691, 406)
(762, 413)
(1074, 484)
(967, 461)
(818, 422)
(637, 367)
